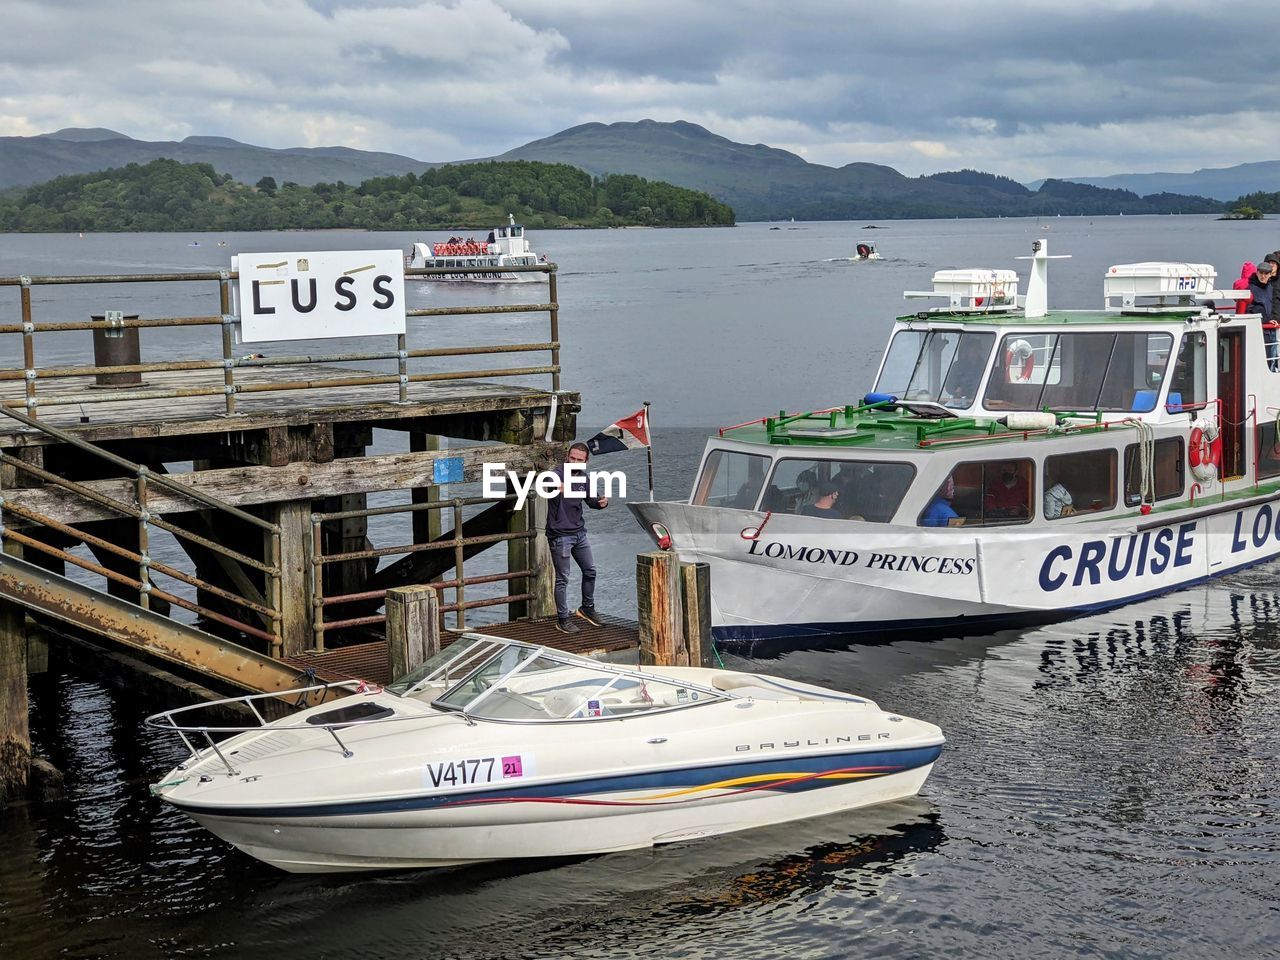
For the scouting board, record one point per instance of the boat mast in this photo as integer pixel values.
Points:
(1037, 302)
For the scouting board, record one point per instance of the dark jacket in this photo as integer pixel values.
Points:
(564, 514)
(1262, 294)
(1275, 287)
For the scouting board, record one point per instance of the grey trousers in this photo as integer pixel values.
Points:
(576, 548)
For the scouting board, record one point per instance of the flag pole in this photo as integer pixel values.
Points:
(648, 427)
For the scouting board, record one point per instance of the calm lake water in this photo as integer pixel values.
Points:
(1109, 786)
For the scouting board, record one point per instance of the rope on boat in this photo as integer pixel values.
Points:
(1146, 460)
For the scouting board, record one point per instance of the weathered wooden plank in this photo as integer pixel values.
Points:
(296, 612)
(121, 417)
(240, 486)
(543, 587)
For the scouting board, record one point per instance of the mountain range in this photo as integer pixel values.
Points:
(760, 182)
(1220, 183)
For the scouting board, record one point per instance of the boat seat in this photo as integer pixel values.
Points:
(563, 703)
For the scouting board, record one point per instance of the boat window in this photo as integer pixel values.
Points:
(1188, 383)
(1166, 469)
(731, 479)
(448, 665)
(1079, 371)
(940, 365)
(1082, 482)
(863, 490)
(988, 493)
(1268, 449)
(546, 688)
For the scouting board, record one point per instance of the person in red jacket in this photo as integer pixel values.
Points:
(1246, 271)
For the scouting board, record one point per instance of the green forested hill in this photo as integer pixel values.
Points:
(169, 195)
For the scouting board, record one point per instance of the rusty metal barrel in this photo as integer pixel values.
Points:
(115, 345)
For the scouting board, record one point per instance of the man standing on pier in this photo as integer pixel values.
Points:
(567, 538)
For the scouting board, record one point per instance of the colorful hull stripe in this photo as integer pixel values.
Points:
(674, 786)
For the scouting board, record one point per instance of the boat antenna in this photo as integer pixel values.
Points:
(1037, 302)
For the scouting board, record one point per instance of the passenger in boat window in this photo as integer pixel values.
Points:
(970, 363)
(1007, 493)
(1058, 502)
(1083, 482)
(940, 513)
(825, 506)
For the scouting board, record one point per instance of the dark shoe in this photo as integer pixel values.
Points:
(567, 626)
(589, 614)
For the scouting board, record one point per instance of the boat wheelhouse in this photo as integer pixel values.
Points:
(505, 248)
(1011, 464)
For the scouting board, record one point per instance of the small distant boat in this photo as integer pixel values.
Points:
(194, 243)
(506, 247)
(222, 243)
(495, 749)
(866, 250)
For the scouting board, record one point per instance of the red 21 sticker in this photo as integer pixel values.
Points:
(512, 767)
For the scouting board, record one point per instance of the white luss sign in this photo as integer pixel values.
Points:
(333, 293)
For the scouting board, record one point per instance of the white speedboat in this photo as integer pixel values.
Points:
(496, 749)
(505, 248)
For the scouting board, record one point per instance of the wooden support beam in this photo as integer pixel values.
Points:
(520, 556)
(658, 606)
(243, 486)
(294, 518)
(543, 586)
(695, 612)
(15, 735)
(426, 523)
(413, 627)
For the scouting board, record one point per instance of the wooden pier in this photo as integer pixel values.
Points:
(208, 513)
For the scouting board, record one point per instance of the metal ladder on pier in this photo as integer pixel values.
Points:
(46, 519)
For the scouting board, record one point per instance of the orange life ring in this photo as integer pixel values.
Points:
(1204, 450)
(1028, 361)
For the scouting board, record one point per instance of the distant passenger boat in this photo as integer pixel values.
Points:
(506, 247)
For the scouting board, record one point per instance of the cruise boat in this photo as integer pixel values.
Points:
(496, 749)
(1011, 464)
(505, 247)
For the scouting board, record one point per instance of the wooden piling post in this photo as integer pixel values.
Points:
(695, 610)
(426, 523)
(413, 627)
(543, 583)
(15, 735)
(658, 605)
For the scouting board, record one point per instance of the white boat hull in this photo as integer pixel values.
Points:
(806, 576)
(478, 834)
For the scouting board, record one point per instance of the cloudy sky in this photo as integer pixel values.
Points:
(1026, 89)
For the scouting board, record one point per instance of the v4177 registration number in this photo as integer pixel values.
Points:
(450, 774)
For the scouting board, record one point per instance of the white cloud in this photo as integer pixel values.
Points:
(1025, 89)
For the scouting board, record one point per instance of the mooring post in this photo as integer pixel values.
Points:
(413, 627)
(543, 582)
(659, 609)
(695, 611)
(15, 735)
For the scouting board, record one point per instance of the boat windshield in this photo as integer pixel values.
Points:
(945, 366)
(731, 479)
(1079, 371)
(449, 665)
(522, 683)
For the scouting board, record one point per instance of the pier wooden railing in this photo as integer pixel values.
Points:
(20, 526)
(42, 383)
(453, 548)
